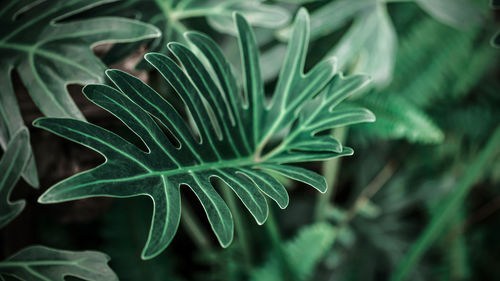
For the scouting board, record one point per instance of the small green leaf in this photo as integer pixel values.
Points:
(12, 164)
(40, 263)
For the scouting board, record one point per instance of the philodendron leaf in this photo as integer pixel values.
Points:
(171, 18)
(12, 165)
(49, 54)
(40, 263)
(234, 132)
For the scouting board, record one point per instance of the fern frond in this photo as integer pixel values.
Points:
(303, 252)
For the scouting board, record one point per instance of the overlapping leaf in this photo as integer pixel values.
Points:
(49, 54)
(13, 162)
(40, 263)
(370, 44)
(231, 138)
(170, 17)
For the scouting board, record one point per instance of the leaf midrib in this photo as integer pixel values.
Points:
(206, 166)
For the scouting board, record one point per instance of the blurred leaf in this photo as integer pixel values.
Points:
(171, 16)
(332, 16)
(49, 54)
(40, 263)
(398, 119)
(457, 13)
(11, 122)
(234, 133)
(12, 164)
(431, 70)
(369, 45)
(256, 13)
(304, 252)
(439, 220)
(495, 41)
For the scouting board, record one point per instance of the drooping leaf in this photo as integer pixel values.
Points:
(234, 132)
(40, 263)
(12, 164)
(171, 16)
(49, 54)
(303, 252)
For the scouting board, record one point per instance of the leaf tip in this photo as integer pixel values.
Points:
(302, 15)
(39, 122)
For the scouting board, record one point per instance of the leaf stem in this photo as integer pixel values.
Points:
(373, 187)
(274, 235)
(447, 208)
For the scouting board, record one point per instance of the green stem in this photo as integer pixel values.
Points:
(330, 171)
(438, 222)
(192, 226)
(274, 234)
(241, 230)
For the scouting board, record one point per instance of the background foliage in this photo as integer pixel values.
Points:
(417, 201)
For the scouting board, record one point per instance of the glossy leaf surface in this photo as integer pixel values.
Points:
(232, 137)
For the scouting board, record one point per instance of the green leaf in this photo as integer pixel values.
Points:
(13, 162)
(457, 13)
(230, 139)
(369, 45)
(397, 118)
(304, 253)
(40, 263)
(11, 122)
(172, 17)
(49, 54)
(335, 14)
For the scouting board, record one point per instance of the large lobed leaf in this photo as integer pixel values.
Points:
(40, 263)
(231, 139)
(49, 54)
